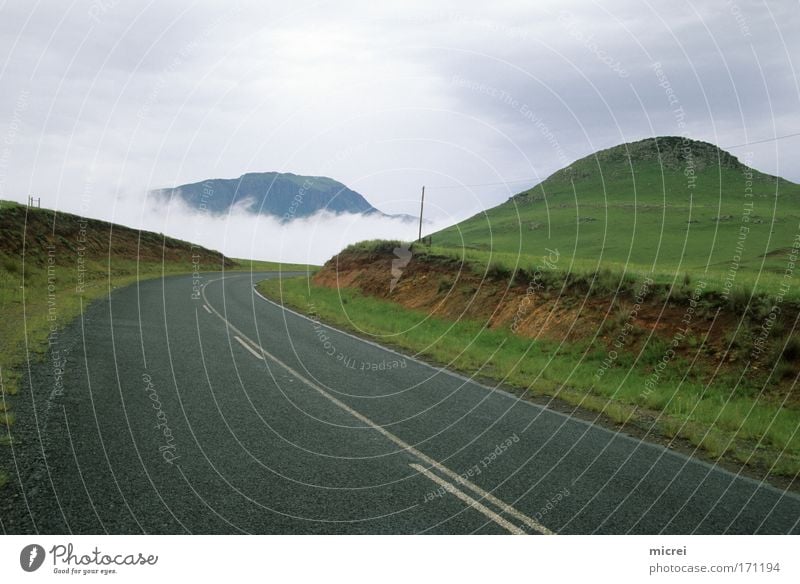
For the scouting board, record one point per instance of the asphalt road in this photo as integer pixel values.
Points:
(161, 413)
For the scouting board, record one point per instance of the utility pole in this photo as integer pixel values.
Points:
(39, 202)
(421, 206)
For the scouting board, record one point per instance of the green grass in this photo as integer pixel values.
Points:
(641, 216)
(25, 327)
(705, 415)
(7, 419)
(265, 266)
(705, 223)
(30, 308)
(376, 246)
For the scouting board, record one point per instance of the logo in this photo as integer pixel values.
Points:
(402, 257)
(31, 557)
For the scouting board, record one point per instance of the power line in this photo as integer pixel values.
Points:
(775, 139)
(507, 182)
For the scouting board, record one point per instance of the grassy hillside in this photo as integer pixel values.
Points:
(653, 283)
(659, 205)
(53, 264)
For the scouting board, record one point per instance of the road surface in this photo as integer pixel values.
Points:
(164, 413)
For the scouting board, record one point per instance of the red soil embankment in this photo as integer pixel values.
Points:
(446, 288)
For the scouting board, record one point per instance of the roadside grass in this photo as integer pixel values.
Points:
(36, 303)
(245, 265)
(708, 416)
(31, 312)
(27, 317)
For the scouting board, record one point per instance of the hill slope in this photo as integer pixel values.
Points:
(51, 263)
(664, 205)
(282, 195)
(652, 283)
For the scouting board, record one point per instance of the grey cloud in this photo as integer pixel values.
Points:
(384, 97)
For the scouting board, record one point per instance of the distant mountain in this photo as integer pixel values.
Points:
(284, 195)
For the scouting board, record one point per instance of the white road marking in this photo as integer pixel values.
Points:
(208, 310)
(504, 507)
(507, 525)
(249, 348)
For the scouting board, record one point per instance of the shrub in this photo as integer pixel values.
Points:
(761, 306)
(616, 321)
(497, 271)
(654, 352)
(739, 299)
(734, 339)
(785, 371)
(11, 266)
(376, 246)
(679, 294)
(605, 282)
(791, 350)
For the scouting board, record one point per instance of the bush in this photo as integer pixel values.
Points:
(11, 266)
(654, 352)
(734, 339)
(791, 350)
(785, 371)
(680, 294)
(761, 306)
(739, 299)
(384, 246)
(497, 271)
(615, 322)
(605, 282)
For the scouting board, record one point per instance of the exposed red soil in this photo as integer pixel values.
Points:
(444, 288)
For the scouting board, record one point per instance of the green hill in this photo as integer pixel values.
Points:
(53, 264)
(621, 285)
(665, 205)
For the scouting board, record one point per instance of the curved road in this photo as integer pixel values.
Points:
(164, 413)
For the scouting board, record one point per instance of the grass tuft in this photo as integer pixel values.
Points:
(791, 350)
(7, 419)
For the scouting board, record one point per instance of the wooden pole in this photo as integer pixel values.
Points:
(421, 207)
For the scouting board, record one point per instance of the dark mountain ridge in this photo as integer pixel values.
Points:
(283, 195)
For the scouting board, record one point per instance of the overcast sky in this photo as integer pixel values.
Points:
(100, 101)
